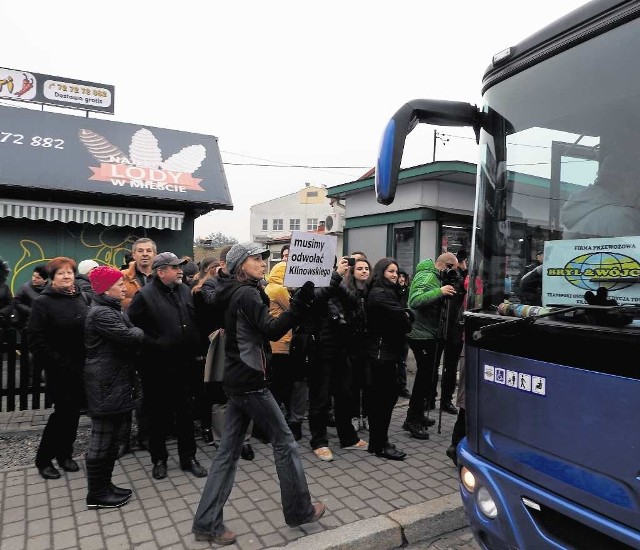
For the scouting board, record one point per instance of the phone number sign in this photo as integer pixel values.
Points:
(40, 88)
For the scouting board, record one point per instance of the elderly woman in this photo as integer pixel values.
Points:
(249, 328)
(56, 338)
(108, 382)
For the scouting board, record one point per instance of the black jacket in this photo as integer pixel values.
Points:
(56, 339)
(25, 296)
(388, 322)
(249, 329)
(166, 316)
(110, 339)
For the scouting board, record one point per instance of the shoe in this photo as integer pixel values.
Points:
(49, 472)
(193, 466)
(223, 539)
(427, 422)
(159, 470)
(246, 453)
(415, 429)
(389, 451)
(296, 430)
(424, 422)
(355, 422)
(452, 454)
(405, 393)
(359, 446)
(106, 499)
(207, 436)
(69, 465)
(318, 511)
(323, 453)
(449, 407)
(120, 491)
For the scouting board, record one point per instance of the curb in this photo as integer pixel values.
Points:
(420, 522)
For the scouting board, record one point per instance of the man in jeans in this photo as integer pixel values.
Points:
(427, 297)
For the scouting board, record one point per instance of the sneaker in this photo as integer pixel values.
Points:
(361, 445)
(355, 422)
(323, 453)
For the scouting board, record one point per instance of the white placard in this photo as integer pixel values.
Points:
(576, 266)
(311, 258)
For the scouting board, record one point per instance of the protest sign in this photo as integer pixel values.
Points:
(311, 258)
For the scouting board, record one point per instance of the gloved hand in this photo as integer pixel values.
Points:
(600, 298)
(302, 299)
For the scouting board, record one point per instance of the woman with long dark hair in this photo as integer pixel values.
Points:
(56, 338)
(388, 323)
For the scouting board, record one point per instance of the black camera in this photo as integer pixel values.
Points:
(450, 276)
(351, 262)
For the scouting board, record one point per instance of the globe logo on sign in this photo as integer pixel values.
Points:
(591, 271)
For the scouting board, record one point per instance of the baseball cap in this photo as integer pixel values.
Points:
(240, 252)
(166, 258)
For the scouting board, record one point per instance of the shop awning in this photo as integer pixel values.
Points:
(84, 213)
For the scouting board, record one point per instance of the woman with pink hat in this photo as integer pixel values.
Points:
(108, 382)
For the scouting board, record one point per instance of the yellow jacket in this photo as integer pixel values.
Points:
(279, 296)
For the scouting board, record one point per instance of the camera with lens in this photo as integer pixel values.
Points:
(450, 276)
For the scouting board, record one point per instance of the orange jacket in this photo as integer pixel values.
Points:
(131, 284)
(279, 297)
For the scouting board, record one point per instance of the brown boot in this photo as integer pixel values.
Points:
(223, 539)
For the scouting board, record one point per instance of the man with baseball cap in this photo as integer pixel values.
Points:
(163, 309)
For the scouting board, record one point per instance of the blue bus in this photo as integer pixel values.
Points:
(551, 457)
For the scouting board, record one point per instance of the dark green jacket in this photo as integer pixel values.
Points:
(425, 300)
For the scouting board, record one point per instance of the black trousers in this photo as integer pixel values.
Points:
(66, 391)
(168, 395)
(329, 376)
(426, 381)
(452, 351)
(384, 396)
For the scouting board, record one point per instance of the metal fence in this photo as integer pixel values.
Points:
(22, 381)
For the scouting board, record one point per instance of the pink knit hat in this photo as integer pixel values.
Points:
(103, 278)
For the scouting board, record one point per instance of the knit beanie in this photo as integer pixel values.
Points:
(103, 278)
(85, 266)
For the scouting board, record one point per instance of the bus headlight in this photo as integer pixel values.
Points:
(486, 503)
(468, 479)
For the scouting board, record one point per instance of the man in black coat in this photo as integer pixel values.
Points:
(163, 308)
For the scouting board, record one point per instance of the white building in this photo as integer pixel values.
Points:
(309, 209)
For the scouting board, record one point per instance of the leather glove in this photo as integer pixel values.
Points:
(302, 299)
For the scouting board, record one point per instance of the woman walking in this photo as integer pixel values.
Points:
(108, 380)
(56, 338)
(249, 328)
(388, 324)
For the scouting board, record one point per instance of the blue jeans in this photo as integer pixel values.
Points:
(263, 409)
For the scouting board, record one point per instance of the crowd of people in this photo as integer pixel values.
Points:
(113, 342)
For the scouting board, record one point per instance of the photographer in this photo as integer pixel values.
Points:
(427, 295)
(454, 334)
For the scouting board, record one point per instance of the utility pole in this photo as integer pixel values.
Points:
(438, 136)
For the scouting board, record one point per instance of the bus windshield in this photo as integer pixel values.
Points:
(559, 179)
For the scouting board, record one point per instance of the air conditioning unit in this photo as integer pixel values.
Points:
(334, 223)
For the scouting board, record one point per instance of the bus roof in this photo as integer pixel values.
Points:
(582, 24)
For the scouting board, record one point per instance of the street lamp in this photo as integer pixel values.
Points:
(438, 136)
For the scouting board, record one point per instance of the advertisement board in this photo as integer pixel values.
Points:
(64, 152)
(32, 87)
(573, 267)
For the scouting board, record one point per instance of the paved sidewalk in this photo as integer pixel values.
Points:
(372, 503)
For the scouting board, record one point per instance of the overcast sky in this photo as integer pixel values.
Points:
(279, 82)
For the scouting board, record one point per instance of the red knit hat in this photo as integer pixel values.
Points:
(103, 278)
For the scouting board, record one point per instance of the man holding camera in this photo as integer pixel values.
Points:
(432, 285)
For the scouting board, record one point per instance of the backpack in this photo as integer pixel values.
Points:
(214, 363)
